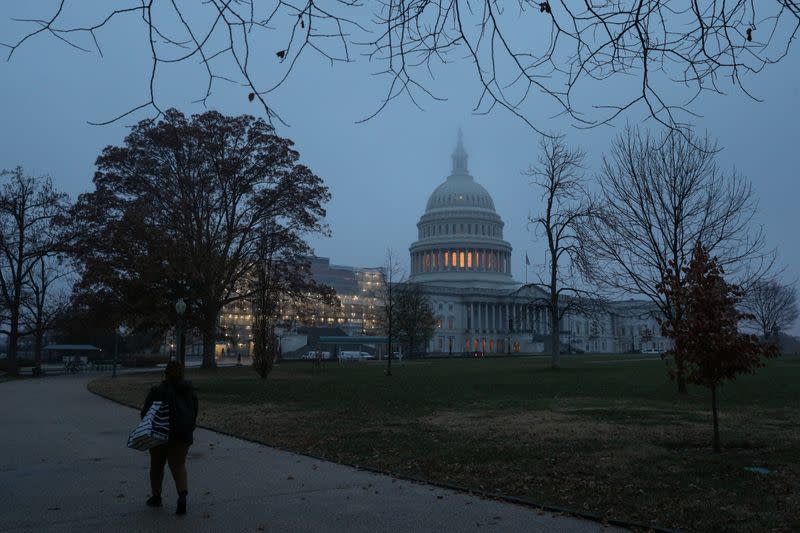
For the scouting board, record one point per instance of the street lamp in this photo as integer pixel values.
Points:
(180, 308)
(117, 332)
(116, 351)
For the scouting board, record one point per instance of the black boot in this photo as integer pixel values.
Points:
(154, 501)
(181, 509)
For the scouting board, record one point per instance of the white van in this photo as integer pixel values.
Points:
(313, 355)
(355, 356)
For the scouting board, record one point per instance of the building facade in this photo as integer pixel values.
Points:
(463, 264)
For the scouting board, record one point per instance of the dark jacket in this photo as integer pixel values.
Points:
(182, 400)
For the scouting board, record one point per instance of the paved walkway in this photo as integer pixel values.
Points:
(64, 467)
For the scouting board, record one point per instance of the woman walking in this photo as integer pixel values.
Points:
(182, 400)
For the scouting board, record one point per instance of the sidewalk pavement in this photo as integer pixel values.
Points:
(64, 467)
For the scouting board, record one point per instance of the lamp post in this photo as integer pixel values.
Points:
(116, 351)
(118, 331)
(180, 308)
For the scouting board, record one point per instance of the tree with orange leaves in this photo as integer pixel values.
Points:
(708, 338)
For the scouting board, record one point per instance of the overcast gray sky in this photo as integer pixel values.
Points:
(381, 172)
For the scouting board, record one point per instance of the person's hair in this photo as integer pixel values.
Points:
(174, 371)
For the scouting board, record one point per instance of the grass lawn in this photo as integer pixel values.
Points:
(606, 435)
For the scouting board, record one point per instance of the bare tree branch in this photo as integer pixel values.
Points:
(520, 50)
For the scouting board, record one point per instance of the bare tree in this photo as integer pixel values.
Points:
(772, 307)
(283, 275)
(28, 208)
(388, 295)
(660, 197)
(414, 321)
(47, 298)
(567, 207)
(554, 49)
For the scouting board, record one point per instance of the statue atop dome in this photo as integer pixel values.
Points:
(460, 156)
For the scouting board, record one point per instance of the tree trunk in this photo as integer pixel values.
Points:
(555, 340)
(679, 374)
(209, 347)
(389, 358)
(13, 339)
(717, 448)
(37, 345)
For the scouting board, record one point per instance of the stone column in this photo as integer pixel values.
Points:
(514, 315)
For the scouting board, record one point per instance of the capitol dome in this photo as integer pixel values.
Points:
(460, 236)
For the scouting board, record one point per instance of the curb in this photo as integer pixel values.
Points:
(456, 488)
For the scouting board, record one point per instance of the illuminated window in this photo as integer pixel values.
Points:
(477, 259)
(454, 260)
(469, 260)
(461, 260)
(446, 259)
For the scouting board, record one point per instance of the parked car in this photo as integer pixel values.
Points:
(477, 354)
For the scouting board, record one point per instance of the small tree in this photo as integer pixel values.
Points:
(388, 297)
(707, 337)
(45, 300)
(414, 320)
(283, 276)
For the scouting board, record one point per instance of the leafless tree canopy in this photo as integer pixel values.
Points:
(772, 307)
(556, 49)
(566, 207)
(29, 207)
(661, 196)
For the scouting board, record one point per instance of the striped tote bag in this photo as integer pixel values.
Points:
(153, 429)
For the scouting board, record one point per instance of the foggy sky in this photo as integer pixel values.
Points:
(380, 173)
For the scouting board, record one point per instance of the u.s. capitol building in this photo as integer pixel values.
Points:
(463, 265)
